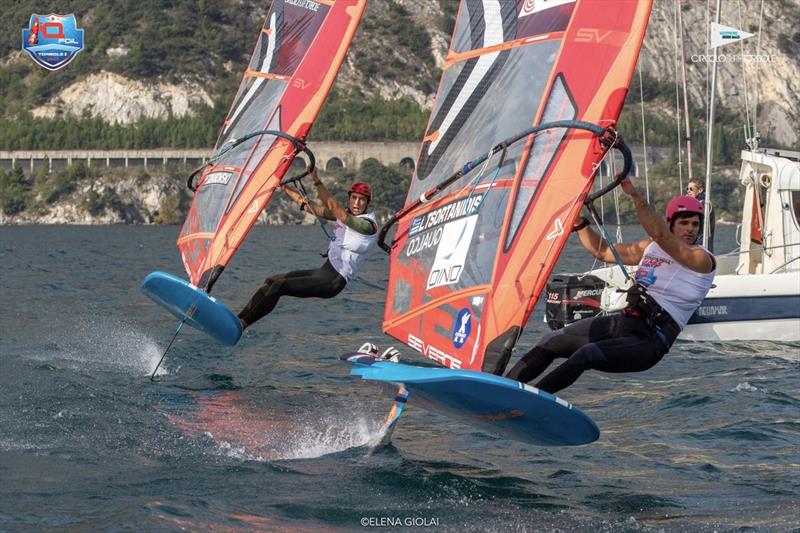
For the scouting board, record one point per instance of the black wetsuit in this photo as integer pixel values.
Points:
(617, 343)
(322, 282)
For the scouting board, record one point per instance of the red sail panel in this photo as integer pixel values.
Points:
(468, 267)
(297, 56)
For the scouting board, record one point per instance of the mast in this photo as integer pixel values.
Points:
(710, 140)
(685, 98)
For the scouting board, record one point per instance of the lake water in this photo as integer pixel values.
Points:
(270, 435)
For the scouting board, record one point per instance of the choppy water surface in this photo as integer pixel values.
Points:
(272, 434)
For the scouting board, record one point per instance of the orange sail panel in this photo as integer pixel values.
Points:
(295, 61)
(467, 267)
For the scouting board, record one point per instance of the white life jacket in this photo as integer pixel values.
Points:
(677, 289)
(348, 247)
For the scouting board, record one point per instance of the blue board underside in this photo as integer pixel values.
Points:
(495, 404)
(201, 311)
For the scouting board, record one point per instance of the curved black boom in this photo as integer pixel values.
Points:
(608, 137)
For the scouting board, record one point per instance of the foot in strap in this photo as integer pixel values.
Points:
(390, 354)
(368, 349)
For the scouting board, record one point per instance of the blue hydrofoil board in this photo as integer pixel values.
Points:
(495, 404)
(200, 310)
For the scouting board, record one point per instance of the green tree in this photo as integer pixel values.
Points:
(14, 191)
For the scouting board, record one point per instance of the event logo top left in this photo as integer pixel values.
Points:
(52, 40)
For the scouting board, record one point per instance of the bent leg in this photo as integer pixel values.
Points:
(560, 344)
(633, 353)
(322, 282)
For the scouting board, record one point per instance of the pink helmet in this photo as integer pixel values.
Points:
(361, 187)
(684, 204)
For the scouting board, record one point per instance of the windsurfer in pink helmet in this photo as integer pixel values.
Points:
(674, 275)
(355, 231)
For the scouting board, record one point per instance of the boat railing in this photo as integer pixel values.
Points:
(783, 266)
(759, 249)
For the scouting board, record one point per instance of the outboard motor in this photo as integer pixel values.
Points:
(571, 298)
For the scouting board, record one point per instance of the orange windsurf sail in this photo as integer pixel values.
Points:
(294, 64)
(469, 261)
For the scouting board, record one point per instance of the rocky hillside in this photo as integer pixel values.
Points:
(122, 196)
(145, 67)
(115, 98)
(761, 73)
(397, 54)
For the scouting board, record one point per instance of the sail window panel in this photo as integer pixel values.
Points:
(210, 200)
(236, 156)
(239, 155)
(259, 148)
(476, 114)
(252, 115)
(239, 103)
(559, 107)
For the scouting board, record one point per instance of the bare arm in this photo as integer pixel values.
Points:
(690, 256)
(310, 206)
(630, 254)
(329, 203)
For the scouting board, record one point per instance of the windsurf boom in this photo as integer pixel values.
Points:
(472, 252)
(297, 56)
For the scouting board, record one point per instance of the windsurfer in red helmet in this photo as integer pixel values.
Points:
(355, 231)
(674, 275)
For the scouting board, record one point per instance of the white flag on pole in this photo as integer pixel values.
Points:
(722, 35)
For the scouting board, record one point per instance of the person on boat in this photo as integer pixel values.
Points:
(355, 231)
(697, 189)
(674, 275)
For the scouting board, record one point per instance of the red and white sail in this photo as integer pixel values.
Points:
(468, 266)
(297, 56)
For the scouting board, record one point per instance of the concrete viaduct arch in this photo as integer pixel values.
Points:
(345, 154)
(348, 154)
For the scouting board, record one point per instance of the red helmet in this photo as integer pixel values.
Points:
(361, 187)
(684, 204)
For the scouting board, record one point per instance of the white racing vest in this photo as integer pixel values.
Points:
(348, 247)
(677, 289)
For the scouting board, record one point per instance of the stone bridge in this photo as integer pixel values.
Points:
(329, 155)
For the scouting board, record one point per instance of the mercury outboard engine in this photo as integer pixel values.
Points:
(571, 298)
